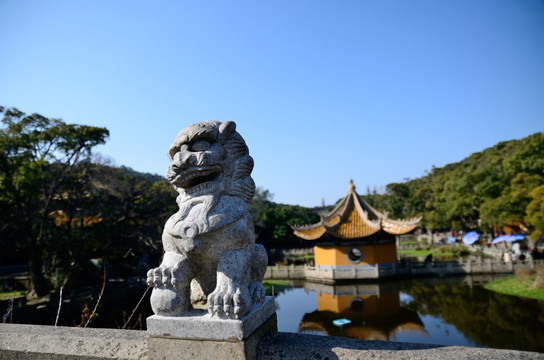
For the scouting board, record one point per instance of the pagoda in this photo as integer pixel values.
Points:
(354, 241)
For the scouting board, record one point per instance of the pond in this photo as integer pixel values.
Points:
(446, 311)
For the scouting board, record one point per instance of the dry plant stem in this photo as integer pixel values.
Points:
(9, 314)
(91, 316)
(60, 305)
(136, 308)
(138, 322)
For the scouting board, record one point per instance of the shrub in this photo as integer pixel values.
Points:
(523, 274)
(539, 277)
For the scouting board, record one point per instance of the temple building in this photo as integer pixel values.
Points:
(354, 241)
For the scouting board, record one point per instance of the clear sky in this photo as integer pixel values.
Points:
(322, 91)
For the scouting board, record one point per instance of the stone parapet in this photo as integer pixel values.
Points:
(35, 342)
(288, 346)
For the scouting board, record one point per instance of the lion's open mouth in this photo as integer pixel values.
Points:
(197, 176)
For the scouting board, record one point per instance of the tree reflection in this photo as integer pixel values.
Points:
(490, 319)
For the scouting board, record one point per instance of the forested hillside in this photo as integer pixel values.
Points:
(502, 184)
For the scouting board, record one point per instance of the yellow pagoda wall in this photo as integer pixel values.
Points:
(374, 305)
(372, 254)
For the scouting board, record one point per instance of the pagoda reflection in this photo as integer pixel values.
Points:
(372, 311)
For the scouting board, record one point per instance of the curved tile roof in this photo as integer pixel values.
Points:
(353, 218)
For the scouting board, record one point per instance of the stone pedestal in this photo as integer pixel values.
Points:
(197, 335)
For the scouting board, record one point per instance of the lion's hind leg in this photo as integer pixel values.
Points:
(202, 285)
(259, 261)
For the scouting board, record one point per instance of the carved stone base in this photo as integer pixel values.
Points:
(197, 335)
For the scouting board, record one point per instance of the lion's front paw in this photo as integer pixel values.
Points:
(163, 276)
(168, 298)
(229, 302)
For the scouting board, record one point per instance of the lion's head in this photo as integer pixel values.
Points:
(211, 158)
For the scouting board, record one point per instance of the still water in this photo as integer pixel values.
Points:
(447, 311)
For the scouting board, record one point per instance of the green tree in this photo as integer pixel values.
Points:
(273, 221)
(487, 188)
(258, 204)
(36, 156)
(511, 205)
(398, 200)
(135, 207)
(535, 213)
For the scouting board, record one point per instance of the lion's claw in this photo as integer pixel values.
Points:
(227, 302)
(162, 277)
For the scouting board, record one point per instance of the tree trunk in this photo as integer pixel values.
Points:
(38, 284)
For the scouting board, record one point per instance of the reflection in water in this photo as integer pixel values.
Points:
(373, 311)
(447, 311)
(489, 319)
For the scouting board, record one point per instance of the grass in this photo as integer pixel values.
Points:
(514, 286)
(306, 256)
(276, 284)
(424, 253)
(409, 242)
(15, 293)
(444, 251)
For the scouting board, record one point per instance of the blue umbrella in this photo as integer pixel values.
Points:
(508, 238)
(470, 237)
(341, 322)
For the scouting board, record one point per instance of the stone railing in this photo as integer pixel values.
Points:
(35, 342)
(472, 266)
(291, 272)
(439, 268)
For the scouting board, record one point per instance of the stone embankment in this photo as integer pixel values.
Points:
(35, 342)
(322, 273)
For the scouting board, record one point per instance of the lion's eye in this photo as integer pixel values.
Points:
(200, 145)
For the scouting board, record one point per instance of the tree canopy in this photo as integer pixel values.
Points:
(487, 189)
(59, 208)
(272, 221)
(37, 154)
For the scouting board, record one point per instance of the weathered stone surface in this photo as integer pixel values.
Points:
(160, 347)
(199, 325)
(178, 349)
(58, 342)
(211, 260)
(287, 346)
(36, 342)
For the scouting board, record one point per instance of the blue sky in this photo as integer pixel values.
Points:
(322, 91)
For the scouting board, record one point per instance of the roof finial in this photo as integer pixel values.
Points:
(351, 187)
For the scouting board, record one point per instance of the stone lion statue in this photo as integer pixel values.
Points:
(210, 256)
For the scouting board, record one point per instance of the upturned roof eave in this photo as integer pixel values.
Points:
(371, 217)
(339, 209)
(363, 214)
